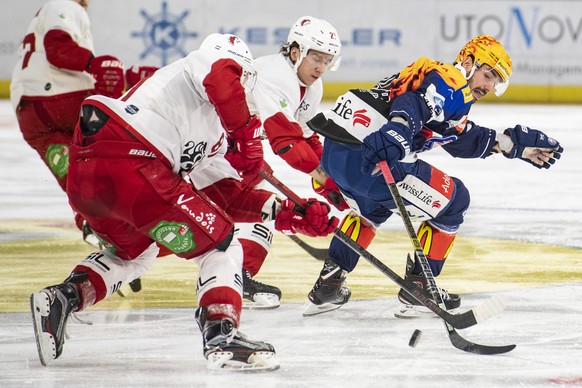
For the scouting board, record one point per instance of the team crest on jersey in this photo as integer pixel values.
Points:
(192, 156)
(435, 102)
(57, 157)
(175, 236)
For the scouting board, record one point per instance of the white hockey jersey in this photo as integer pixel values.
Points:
(278, 90)
(33, 75)
(171, 110)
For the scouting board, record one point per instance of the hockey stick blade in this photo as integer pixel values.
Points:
(317, 253)
(455, 338)
(459, 321)
(471, 347)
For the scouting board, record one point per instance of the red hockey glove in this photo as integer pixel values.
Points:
(245, 152)
(331, 192)
(136, 73)
(108, 73)
(313, 220)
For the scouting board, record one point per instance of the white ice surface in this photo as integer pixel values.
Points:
(361, 344)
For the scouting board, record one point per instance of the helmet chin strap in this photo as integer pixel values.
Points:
(464, 72)
(295, 67)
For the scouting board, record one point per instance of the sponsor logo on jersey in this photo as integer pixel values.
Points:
(144, 153)
(467, 95)
(204, 220)
(131, 109)
(57, 157)
(283, 102)
(361, 118)
(175, 236)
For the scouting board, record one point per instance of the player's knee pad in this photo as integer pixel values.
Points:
(220, 278)
(107, 272)
(436, 244)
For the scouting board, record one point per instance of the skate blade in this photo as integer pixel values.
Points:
(129, 288)
(45, 342)
(257, 362)
(262, 301)
(124, 290)
(413, 312)
(314, 309)
(92, 241)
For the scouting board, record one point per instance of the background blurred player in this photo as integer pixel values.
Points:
(288, 93)
(56, 71)
(149, 169)
(422, 107)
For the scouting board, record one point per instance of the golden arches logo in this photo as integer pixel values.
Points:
(351, 225)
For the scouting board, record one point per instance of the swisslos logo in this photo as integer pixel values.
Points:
(361, 118)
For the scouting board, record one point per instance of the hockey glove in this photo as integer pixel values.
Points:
(331, 192)
(532, 146)
(108, 73)
(245, 151)
(312, 220)
(390, 143)
(136, 73)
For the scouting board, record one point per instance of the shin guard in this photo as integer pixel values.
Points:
(436, 244)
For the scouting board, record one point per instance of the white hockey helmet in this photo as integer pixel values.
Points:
(316, 34)
(231, 46)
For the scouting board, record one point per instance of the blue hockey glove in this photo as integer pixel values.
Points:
(390, 143)
(533, 146)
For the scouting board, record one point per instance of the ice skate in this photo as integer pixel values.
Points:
(329, 292)
(257, 295)
(128, 288)
(89, 237)
(226, 348)
(51, 308)
(410, 307)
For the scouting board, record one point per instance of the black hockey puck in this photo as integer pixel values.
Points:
(414, 338)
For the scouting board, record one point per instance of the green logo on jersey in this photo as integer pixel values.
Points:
(174, 235)
(283, 102)
(57, 157)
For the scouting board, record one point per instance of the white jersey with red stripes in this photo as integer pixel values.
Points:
(177, 117)
(33, 75)
(278, 90)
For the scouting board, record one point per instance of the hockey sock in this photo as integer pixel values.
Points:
(358, 228)
(436, 244)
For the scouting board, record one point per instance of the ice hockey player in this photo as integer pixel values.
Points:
(288, 93)
(56, 71)
(149, 169)
(424, 106)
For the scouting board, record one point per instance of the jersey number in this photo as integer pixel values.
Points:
(28, 45)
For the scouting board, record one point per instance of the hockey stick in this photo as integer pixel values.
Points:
(459, 321)
(317, 253)
(457, 341)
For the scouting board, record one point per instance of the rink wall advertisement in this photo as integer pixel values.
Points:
(543, 38)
